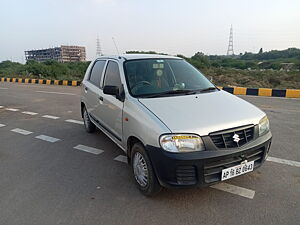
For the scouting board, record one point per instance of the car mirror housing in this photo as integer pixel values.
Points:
(111, 90)
(114, 91)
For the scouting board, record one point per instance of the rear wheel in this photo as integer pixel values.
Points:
(88, 124)
(143, 172)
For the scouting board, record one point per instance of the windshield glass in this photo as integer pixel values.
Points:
(154, 77)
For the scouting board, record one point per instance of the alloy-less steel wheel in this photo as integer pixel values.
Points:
(143, 172)
(88, 124)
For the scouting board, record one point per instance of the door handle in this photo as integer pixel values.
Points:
(85, 89)
(101, 98)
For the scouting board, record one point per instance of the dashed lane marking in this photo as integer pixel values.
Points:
(1, 88)
(121, 158)
(1, 106)
(30, 113)
(283, 161)
(21, 131)
(58, 93)
(12, 109)
(2, 125)
(47, 138)
(244, 192)
(75, 121)
(88, 149)
(51, 117)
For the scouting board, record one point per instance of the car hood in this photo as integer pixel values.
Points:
(203, 113)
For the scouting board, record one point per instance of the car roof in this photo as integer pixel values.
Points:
(138, 56)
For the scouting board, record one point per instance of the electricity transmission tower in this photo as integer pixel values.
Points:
(230, 45)
(98, 50)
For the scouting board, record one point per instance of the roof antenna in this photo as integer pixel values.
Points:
(116, 46)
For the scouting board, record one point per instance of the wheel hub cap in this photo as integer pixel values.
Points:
(140, 169)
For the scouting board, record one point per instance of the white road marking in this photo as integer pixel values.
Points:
(51, 117)
(283, 161)
(13, 110)
(30, 113)
(58, 93)
(121, 158)
(88, 149)
(47, 138)
(3, 88)
(1, 106)
(21, 131)
(2, 125)
(75, 121)
(244, 192)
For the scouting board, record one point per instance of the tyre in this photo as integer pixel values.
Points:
(88, 124)
(143, 172)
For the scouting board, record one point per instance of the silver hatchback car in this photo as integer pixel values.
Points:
(176, 128)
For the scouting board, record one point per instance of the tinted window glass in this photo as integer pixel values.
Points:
(97, 72)
(112, 75)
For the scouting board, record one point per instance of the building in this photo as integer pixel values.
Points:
(63, 53)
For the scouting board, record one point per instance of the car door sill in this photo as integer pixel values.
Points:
(107, 132)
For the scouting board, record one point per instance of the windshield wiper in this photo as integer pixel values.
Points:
(208, 89)
(167, 93)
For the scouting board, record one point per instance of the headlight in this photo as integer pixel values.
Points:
(264, 126)
(181, 143)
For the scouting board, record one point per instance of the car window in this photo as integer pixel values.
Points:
(112, 75)
(96, 72)
(153, 76)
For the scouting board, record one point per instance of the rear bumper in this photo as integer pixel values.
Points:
(204, 168)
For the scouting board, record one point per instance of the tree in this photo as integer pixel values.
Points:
(200, 60)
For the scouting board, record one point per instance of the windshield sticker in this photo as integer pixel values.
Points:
(159, 73)
(158, 66)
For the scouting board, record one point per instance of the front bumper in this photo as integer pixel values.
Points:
(204, 168)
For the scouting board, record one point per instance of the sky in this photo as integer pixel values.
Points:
(168, 26)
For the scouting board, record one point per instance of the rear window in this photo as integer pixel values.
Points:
(96, 72)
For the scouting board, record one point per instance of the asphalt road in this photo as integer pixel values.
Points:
(43, 182)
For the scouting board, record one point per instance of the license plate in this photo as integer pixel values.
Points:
(234, 171)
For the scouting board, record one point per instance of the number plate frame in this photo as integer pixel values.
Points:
(244, 167)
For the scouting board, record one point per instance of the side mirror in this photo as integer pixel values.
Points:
(111, 90)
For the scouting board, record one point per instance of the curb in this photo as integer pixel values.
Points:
(285, 93)
(41, 81)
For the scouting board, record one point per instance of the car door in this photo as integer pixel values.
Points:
(92, 90)
(112, 108)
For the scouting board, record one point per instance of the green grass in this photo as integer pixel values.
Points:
(254, 78)
(220, 76)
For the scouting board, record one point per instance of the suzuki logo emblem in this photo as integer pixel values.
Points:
(236, 138)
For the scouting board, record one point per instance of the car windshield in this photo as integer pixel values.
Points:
(164, 77)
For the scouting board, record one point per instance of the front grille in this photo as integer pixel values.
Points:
(225, 139)
(213, 169)
(186, 175)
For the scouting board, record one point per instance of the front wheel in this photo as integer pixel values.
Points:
(143, 172)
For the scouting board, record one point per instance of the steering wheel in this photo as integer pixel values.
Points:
(143, 83)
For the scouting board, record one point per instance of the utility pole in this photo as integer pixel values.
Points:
(230, 44)
(98, 50)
